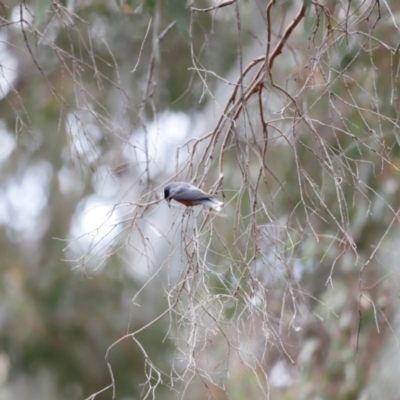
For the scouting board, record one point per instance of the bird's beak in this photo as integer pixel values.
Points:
(169, 203)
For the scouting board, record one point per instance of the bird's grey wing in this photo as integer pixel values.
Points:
(189, 193)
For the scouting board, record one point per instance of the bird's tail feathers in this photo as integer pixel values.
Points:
(213, 203)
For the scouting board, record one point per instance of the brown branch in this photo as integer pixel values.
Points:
(278, 50)
(131, 335)
(285, 37)
(228, 111)
(257, 81)
(233, 108)
(268, 12)
(264, 124)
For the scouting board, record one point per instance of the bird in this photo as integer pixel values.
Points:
(190, 196)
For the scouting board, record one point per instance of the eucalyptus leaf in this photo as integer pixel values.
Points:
(42, 7)
(178, 11)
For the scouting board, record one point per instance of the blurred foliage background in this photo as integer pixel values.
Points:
(292, 292)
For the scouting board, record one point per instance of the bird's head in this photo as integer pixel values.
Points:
(167, 195)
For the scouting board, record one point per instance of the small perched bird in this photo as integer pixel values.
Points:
(190, 196)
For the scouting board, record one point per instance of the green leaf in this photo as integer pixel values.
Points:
(178, 11)
(307, 4)
(151, 5)
(309, 22)
(42, 6)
